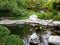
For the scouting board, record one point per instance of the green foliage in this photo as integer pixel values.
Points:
(48, 5)
(21, 31)
(54, 5)
(41, 16)
(57, 17)
(18, 9)
(4, 31)
(46, 15)
(7, 39)
(14, 40)
(11, 8)
(54, 12)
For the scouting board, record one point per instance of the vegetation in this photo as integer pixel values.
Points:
(22, 31)
(8, 39)
(21, 9)
(11, 8)
(57, 17)
(14, 40)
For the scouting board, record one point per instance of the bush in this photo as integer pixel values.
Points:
(41, 16)
(7, 39)
(57, 17)
(21, 31)
(11, 8)
(14, 40)
(46, 15)
(54, 12)
(4, 31)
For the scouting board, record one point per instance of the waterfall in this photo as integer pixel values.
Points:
(34, 38)
(45, 38)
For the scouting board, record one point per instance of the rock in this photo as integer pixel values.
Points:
(56, 22)
(43, 23)
(33, 17)
(50, 21)
(54, 39)
(20, 22)
(42, 11)
(34, 38)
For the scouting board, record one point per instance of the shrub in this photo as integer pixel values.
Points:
(4, 31)
(46, 15)
(7, 39)
(57, 17)
(22, 31)
(14, 40)
(41, 16)
(11, 8)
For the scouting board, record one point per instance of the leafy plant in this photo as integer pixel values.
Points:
(11, 8)
(14, 40)
(57, 17)
(7, 39)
